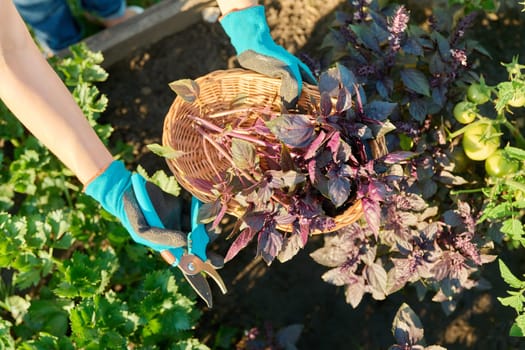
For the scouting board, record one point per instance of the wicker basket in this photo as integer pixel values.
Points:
(218, 90)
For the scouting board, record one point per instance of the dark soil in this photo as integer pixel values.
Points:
(293, 292)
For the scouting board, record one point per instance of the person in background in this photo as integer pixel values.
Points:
(55, 27)
(34, 93)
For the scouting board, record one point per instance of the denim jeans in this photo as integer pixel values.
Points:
(53, 23)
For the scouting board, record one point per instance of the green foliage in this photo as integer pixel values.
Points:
(515, 299)
(473, 5)
(71, 276)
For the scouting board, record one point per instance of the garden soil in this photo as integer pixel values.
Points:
(290, 293)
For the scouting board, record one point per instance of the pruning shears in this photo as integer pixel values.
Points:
(191, 260)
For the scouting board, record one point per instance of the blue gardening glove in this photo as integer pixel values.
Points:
(131, 199)
(256, 50)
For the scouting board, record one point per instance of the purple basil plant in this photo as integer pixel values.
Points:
(294, 172)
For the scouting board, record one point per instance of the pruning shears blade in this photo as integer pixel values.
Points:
(193, 265)
(217, 278)
(201, 287)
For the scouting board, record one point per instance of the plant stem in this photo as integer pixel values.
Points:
(516, 185)
(473, 190)
(225, 154)
(206, 124)
(465, 128)
(249, 138)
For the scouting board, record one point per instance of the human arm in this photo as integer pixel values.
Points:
(227, 6)
(245, 24)
(35, 94)
(37, 97)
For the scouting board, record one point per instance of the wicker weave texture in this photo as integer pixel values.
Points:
(223, 91)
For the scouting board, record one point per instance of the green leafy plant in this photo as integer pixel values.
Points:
(71, 276)
(515, 299)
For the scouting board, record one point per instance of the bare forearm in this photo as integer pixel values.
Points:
(38, 98)
(227, 6)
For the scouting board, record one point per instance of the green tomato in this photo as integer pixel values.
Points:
(499, 165)
(478, 94)
(465, 112)
(405, 142)
(480, 141)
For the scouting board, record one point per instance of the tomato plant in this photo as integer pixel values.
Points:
(499, 164)
(517, 101)
(465, 112)
(480, 140)
(478, 93)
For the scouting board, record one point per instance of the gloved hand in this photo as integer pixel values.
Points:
(250, 36)
(131, 199)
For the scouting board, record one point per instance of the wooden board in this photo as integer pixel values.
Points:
(156, 22)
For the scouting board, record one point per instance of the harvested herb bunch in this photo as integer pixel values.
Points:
(290, 174)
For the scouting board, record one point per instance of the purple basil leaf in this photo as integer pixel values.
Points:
(376, 277)
(330, 256)
(338, 277)
(335, 77)
(412, 47)
(326, 104)
(286, 162)
(416, 81)
(264, 193)
(244, 154)
(209, 211)
(304, 231)
(407, 327)
(443, 44)
(399, 157)
(269, 244)
(295, 130)
(347, 171)
(382, 90)
(187, 89)
(418, 109)
(355, 291)
(344, 100)
(329, 83)
(255, 220)
(428, 188)
(379, 110)
(339, 190)
(291, 246)
(333, 143)
(346, 76)
(314, 146)
(376, 191)
(313, 171)
(240, 242)
(449, 178)
(291, 179)
(372, 211)
(321, 184)
(285, 218)
(324, 158)
(439, 95)
(367, 36)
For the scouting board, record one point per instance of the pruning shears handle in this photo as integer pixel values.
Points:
(198, 238)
